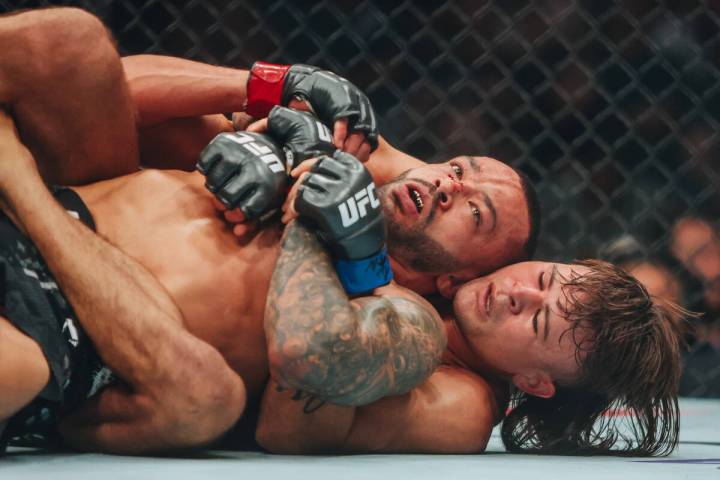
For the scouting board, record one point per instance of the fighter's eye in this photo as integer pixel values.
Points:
(475, 213)
(457, 169)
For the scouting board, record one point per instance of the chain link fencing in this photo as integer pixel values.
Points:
(611, 108)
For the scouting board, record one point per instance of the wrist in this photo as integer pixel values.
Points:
(264, 88)
(22, 190)
(364, 275)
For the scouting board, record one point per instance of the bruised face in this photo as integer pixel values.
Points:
(512, 320)
(467, 214)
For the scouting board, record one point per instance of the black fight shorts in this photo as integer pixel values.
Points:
(31, 300)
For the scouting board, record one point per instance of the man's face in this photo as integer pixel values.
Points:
(469, 213)
(512, 319)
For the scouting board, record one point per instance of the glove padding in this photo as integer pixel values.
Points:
(244, 170)
(302, 135)
(337, 199)
(331, 96)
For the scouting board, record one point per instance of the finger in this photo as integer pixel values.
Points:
(334, 168)
(242, 229)
(298, 104)
(305, 166)
(289, 217)
(258, 127)
(340, 132)
(363, 153)
(292, 194)
(353, 142)
(241, 120)
(234, 216)
(218, 204)
(290, 214)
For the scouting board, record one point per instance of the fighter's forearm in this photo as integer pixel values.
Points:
(165, 88)
(387, 162)
(125, 311)
(347, 352)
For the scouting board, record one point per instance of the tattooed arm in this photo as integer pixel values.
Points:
(348, 352)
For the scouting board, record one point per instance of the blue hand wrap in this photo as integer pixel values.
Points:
(365, 275)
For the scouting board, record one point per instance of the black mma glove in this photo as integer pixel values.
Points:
(337, 199)
(302, 135)
(245, 170)
(330, 96)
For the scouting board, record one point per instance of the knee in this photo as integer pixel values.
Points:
(58, 38)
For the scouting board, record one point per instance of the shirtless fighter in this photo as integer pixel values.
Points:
(581, 343)
(580, 339)
(145, 291)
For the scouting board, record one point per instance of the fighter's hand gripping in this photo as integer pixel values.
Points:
(302, 135)
(245, 170)
(337, 199)
(336, 101)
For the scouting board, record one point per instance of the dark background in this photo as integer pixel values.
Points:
(612, 108)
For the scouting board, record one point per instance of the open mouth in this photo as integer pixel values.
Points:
(416, 197)
(488, 300)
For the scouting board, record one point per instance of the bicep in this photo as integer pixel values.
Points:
(400, 342)
(410, 334)
(452, 412)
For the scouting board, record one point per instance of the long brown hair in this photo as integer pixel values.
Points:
(625, 401)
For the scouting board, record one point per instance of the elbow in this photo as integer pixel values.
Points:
(206, 406)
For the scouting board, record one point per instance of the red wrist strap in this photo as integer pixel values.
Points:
(264, 89)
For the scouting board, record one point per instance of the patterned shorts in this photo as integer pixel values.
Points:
(31, 300)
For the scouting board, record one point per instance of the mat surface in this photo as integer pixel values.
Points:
(697, 457)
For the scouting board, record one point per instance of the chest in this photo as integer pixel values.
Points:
(219, 282)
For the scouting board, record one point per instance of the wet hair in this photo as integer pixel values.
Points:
(534, 217)
(624, 401)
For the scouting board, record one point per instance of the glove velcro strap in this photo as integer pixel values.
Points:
(264, 88)
(365, 275)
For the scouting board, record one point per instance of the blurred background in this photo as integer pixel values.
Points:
(612, 108)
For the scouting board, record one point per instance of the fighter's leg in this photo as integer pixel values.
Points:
(127, 420)
(179, 106)
(62, 79)
(23, 369)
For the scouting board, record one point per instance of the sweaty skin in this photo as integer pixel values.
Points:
(165, 219)
(164, 111)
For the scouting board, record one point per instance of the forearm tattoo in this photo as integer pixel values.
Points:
(346, 352)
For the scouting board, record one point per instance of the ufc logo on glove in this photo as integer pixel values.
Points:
(263, 151)
(323, 132)
(355, 207)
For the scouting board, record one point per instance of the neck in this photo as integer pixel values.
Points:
(459, 353)
(420, 283)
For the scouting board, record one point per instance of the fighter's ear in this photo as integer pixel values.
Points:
(447, 285)
(535, 383)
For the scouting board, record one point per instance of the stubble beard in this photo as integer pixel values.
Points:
(412, 246)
